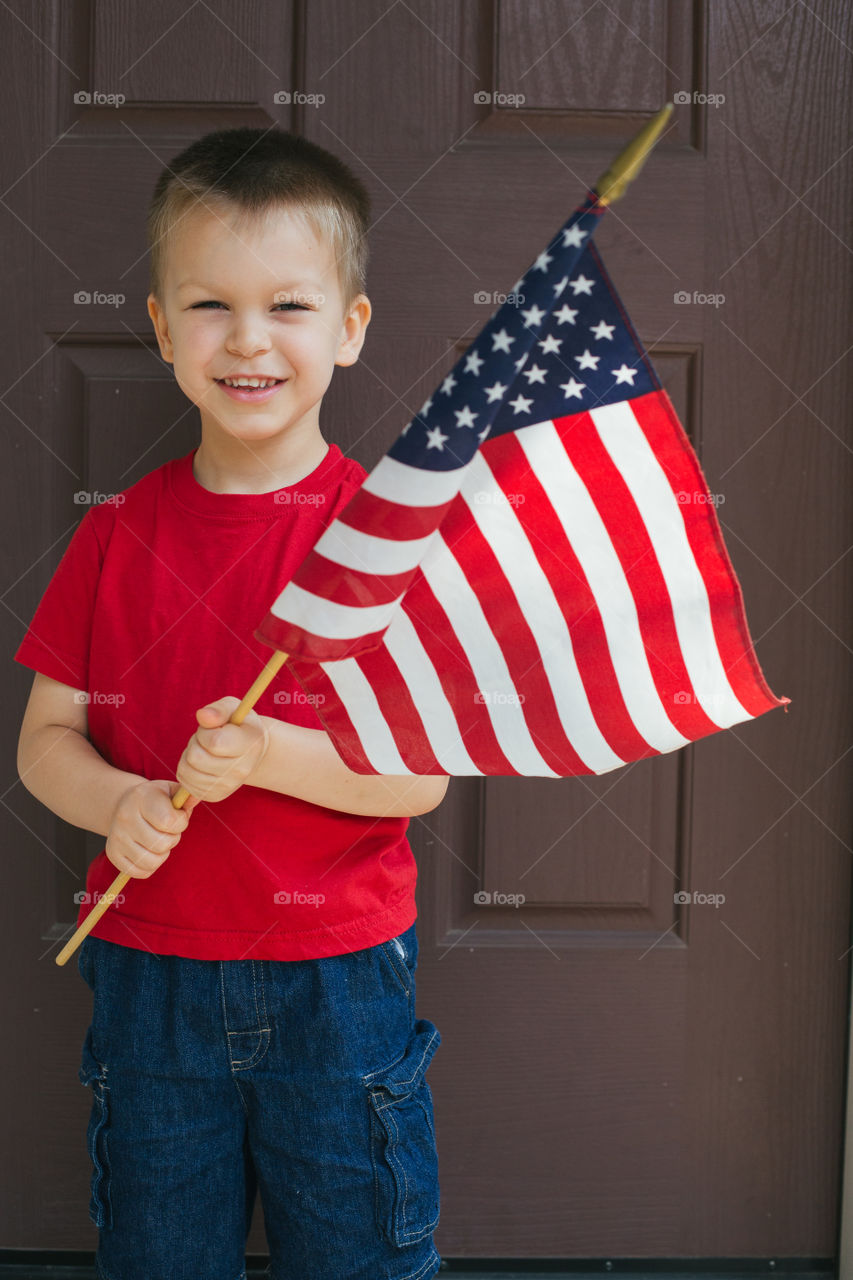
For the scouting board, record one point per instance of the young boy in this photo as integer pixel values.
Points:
(254, 998)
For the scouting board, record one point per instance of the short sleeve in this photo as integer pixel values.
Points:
(58, 639)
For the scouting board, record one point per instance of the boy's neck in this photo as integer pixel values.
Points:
(233, 466)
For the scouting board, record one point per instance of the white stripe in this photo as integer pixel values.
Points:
(491, 673)
(362, 706)
(368, 554)
(502, 529)
(326, 618)
(591, 544)
(431, 702)
(632, 454)
(413, 486)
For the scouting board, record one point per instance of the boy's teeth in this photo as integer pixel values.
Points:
(251, 382)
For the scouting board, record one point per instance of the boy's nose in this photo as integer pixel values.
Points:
(247, 338)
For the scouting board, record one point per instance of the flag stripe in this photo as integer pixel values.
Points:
(588, 535)
(526, 606)
(667, 439)
(399, 483)
(664, 519)
(368, 554)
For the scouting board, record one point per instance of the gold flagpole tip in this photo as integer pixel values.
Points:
(614, 181)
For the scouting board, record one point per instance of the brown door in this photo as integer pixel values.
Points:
(622, 1072)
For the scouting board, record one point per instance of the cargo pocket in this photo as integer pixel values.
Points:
(93, 1073)
(402, 1136)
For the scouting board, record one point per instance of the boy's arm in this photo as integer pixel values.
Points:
(303, 762)
(58, 764)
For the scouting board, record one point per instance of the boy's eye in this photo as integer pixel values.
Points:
(287, 306)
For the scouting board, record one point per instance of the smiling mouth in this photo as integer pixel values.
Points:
(249, 384)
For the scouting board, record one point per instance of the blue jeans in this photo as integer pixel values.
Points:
(213, 1079)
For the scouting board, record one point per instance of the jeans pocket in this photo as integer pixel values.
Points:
(93, 1074)
(403, 1146)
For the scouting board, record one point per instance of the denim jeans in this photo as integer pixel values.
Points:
(304, 1080)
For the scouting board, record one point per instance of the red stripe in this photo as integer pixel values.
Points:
(665, 434)
(633, 546)
(393, 520)
(333, 715)
(305, 644)
(517, 643)
(453, 670)
(572, 592)
(332, 581)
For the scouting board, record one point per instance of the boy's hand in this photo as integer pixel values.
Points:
(146, 827)
(220, 756)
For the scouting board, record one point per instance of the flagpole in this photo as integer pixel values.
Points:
(614, 181)
(179, 799)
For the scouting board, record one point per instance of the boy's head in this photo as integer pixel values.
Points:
(258, 256)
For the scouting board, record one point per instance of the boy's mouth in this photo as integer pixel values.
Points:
(250, 390)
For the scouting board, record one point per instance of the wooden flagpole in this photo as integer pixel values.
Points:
(179, 799)
(610, 186)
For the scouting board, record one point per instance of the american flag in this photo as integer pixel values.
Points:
(532, 580)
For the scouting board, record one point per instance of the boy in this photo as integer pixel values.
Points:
(253, 1020)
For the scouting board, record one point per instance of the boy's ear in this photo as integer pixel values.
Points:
(354, 328)
(161, 328)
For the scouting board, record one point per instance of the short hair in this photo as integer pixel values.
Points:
(256, 171)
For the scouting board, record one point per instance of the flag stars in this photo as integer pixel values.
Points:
(565, 315)
(602, 330)
(501, 341)
(448, 384)
(573, 236)
(435, 438)
(581, 285)
(534, 374)
(624, 374)
(573, 388)
(464, 417)
(550, 344)
(473, 361)
(588, 360)
(495, 392)
(520, 404)
(541, 263)
(533, 315)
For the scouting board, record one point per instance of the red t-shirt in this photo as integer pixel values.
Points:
(151, 612)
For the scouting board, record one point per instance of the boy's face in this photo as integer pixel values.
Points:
(264, 301)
